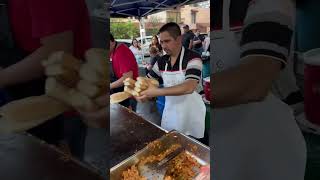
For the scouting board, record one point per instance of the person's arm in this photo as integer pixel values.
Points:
(30, 67)
(119, 82)
(196, 41)
(248, 82)
(186, 87)
(193, 75)
(264, 52)
(190, 44)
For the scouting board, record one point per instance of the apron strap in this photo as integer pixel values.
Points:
(180, 63)
(181, 58)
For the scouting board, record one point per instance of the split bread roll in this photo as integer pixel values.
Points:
(131, 91)
(97, 60)
(66, 60)
(90, 75)
(119, 97)
(24, 114)
(67, 95)
(88, 89)
(67, 77)
(142, 85)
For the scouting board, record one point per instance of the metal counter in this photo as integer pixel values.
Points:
(25, 157)
(129, 133)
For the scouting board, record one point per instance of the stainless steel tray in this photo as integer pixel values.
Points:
(199, 151)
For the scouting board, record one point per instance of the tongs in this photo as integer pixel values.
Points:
(161, 164)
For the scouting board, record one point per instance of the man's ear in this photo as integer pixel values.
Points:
(179, 38)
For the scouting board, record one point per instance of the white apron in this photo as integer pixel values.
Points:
(256, 141)
(185, 113)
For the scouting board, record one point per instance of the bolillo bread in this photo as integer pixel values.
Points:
(97, 60)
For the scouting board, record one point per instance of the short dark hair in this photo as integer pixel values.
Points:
(111, 38)
(172, 28)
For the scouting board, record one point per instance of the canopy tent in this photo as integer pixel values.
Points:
(142, 8)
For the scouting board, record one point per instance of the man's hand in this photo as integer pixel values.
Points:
(146, 95)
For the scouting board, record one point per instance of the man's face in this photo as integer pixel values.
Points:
(168, 43)
(112, 46)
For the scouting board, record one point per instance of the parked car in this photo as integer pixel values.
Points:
(125, 41)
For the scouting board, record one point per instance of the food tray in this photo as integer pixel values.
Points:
(199, 151)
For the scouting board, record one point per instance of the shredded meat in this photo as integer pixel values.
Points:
(182, 167)
(132, 174)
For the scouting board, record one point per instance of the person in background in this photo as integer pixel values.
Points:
(197, 42)
(154, 56)
(155, 43)
(35, 29)
(206, 57)
(206, 43)
(124, 65)
(187, 37)
(136, 50)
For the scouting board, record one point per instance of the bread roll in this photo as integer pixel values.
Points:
(97, 60)
(88, 89)
(137, 89)
(57, 90)
(32, 109)
(24, 114)
(68, 77)
(89, 74)
(80, 101)
(66, 60)
(142, 85)
(119, 97)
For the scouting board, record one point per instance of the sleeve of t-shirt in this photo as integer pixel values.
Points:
(155, 72)
(268, 30)
(53, 16)
(126, 56)
(194, 68)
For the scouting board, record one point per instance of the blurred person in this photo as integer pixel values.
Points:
(154, 57)
(155, 43)
(247, 114)
(197, 42)
(35, 29)
(136, 50)
(124, 65)
(187, 37)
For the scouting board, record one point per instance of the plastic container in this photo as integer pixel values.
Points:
(161, 100)
(312, 85)
(207, 89)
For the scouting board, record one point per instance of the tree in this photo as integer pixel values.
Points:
(155, 23)
(123, 30)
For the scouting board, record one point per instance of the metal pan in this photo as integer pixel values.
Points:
(196, 149)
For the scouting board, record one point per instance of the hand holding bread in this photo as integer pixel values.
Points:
(71, 84)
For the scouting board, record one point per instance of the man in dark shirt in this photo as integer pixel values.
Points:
(187, 37)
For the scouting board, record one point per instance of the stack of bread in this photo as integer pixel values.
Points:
(74, 83)
(71, 84)
(133, 88)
